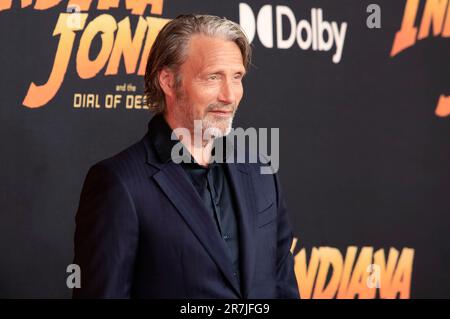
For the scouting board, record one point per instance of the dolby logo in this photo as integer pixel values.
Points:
(315, 34)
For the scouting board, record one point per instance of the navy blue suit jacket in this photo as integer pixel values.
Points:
(142, 232)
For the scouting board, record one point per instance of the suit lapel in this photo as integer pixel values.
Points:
(175, 184)
(243, 189)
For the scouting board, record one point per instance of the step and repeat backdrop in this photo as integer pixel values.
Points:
(360, 91)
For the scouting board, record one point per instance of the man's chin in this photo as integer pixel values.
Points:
(215, 132)
(218, 128)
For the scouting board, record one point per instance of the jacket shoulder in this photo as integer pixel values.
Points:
(128, 164)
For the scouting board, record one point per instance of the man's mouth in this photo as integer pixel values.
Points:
(222, 112)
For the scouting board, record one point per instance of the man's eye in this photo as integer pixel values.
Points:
(213, 77)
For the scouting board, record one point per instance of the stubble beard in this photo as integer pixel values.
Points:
(213, 126)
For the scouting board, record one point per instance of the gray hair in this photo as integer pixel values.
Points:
(169, 49)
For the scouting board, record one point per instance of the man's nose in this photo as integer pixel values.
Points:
(227, 95)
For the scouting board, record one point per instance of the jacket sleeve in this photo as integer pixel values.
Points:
(287, 287)
(106, 236)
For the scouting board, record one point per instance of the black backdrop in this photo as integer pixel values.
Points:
(364, 158)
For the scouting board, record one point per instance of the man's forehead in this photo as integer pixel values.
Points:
(204, 51)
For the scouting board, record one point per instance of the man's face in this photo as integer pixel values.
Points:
(211, 85)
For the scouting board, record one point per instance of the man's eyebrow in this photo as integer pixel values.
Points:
(242, 72)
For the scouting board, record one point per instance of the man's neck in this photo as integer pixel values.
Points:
(200, 151)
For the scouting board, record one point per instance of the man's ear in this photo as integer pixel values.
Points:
(167, 81)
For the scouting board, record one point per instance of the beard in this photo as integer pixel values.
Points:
(213, 125)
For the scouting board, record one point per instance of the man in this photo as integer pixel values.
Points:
(149, 226)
